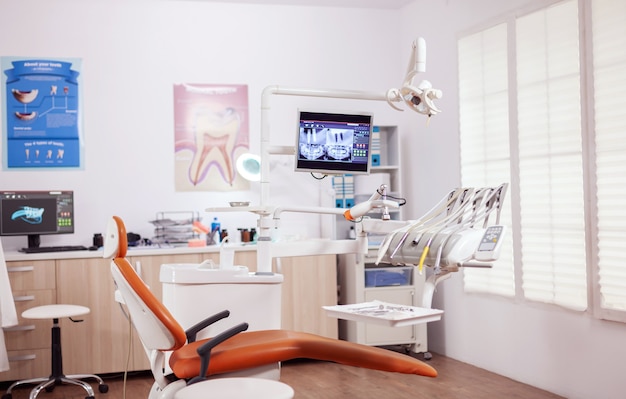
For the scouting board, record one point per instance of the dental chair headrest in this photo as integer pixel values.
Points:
(115, 239)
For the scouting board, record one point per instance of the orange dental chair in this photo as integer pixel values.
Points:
(233, 350)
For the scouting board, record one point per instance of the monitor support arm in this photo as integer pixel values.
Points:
(419, 99)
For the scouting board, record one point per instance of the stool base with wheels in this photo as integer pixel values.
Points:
(55, 312)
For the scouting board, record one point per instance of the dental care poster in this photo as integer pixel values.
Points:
(41, 127)
(211, 131)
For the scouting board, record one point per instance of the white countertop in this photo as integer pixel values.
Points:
(132, 251)
(284, 249)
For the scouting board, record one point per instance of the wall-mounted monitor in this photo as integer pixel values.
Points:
(33, 213)
(334, 143)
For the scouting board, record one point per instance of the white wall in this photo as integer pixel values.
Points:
(564, 352)
(134, 51)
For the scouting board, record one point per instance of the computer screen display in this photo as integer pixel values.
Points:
(32, 213)
(334, 143)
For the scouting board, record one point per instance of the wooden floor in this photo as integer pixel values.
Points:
(322, 380)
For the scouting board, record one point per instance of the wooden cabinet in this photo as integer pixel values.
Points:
(104, 342)
(28, 344)
(100, 343)
(309, 283)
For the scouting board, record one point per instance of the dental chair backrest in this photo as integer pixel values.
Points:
(157, 328)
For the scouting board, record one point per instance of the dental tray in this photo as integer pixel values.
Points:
(383, 313)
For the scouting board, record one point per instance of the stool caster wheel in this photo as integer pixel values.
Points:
(90, 397)
(103, 388)
(7, 396)
(50, 388)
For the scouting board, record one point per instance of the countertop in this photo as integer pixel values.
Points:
(132, 251)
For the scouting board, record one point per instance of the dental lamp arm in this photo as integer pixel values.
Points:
(362, 208)
(307, 209)
(417, 61)
(375, 201)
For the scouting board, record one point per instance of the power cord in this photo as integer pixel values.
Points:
(128, 356)
(130, 349)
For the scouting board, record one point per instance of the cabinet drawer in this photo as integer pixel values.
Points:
(35, 275)
(26, 364)
(30, 333)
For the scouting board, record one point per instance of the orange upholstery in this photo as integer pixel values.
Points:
(157, 308)
(246, 349)
(257, 348)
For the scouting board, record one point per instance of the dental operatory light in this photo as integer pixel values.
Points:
(249, 166)
(420, 98)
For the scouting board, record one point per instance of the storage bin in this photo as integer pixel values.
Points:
(388, 276)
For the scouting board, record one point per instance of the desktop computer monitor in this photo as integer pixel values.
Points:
(334, 143)
(33, 213)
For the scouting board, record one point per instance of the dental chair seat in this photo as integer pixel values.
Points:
(257, 348)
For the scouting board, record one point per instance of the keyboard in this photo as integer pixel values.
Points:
(61, 248)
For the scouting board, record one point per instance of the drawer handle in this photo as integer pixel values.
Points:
(26, 327)
(22, 358)
(20, 269)
(23, 298)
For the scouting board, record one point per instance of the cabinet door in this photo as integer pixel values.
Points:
(310, 282)
(33, 284)
(99, 344)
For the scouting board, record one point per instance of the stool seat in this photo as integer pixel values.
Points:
(237, 388)
(56, 311)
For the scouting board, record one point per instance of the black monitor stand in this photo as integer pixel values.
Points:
(34, 240)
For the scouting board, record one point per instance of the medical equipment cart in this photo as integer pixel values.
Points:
(357, 285)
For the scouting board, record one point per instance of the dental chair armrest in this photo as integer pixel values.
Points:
(193, 331)
(204, 351)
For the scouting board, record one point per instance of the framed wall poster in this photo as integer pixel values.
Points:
(41, 113)
(211, 131)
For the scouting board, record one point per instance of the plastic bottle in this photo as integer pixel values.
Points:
(216, 230)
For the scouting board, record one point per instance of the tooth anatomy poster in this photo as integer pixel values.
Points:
(211, 132)
(41, 115)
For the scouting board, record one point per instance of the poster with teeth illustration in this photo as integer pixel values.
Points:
(211, 131)
(41, 114)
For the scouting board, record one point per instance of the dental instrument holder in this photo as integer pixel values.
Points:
(456, 233)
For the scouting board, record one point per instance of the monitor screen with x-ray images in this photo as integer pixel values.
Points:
(334, 143)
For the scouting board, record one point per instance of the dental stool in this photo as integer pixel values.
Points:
(237, 388)
(55, 312)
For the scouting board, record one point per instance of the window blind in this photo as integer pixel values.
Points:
(609, 75)
(550, 157)
(484, 125)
